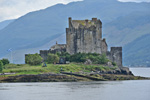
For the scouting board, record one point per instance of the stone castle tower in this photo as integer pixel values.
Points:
(85, 36)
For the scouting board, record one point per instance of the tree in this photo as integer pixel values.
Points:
(33, 59)
(5, 61)
(114, 64)
(52, 58)
(1, 66)
(65, 55)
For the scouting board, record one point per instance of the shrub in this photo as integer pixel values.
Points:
(79, 57)
(5, 61)
(52, 58)
(65, 55)
(82, 57)
(33, 59)
(1, 66)
(114, 64)
(102, 59)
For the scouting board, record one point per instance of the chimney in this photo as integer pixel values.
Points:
(70, 19)
(104, 39)
(94, 19)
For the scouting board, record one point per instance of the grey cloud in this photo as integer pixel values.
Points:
(134, 0)
(10, 9)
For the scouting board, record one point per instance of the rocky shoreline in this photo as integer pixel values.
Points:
(49, 77)
(39, 78)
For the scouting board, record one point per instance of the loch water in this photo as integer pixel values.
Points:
(102, 90)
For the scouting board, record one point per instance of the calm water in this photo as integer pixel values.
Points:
(141, 71)
(110, 90)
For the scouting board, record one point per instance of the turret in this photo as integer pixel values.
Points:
(116, 53)
(94, 19)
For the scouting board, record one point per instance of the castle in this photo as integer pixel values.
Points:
(85, 36)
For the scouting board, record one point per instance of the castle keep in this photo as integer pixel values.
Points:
(85, 36)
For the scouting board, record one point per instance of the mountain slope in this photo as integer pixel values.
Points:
(3, 24)
(126, 29)
(137, 52)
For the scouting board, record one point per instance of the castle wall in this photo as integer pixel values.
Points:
(44, 53)
(115, 55)
(70, 39)
(104, 46)
(88, 42)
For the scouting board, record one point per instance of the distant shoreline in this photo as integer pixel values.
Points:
(137, 67)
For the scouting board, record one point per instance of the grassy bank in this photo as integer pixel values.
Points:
(20, 69)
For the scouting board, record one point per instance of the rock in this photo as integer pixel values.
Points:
(109, 64)
(126, 71)
(88, 62)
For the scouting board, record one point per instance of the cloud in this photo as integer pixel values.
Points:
(11, 9)
(134, 1)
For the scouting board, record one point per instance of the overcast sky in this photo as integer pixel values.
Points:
(11, 9)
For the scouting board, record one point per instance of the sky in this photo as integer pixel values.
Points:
(12, 9)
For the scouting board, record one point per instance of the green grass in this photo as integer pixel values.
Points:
(21, 69)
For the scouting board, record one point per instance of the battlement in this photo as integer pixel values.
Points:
(84, 23)
(94, 19)
(116, 49)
